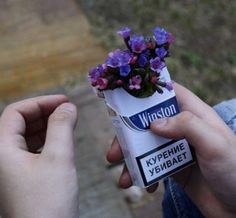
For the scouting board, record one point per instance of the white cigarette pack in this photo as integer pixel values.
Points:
(148, 157)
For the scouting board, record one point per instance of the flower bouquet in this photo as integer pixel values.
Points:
(137, 89)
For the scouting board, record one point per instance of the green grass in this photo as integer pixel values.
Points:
(232, 59)
(204, 55)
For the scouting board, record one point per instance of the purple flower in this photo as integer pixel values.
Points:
(142, 61)
(156, 64)
(160, 35)
(137, 43)
(143, 58)
(113, 58)
(95, 73)
(125, 70)
(124, 58)
(102, 83)
(169, 86)
(124, 32)
(134, 83)
(161, 52)
(120, 59)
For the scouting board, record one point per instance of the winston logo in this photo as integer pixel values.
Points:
(142, 120)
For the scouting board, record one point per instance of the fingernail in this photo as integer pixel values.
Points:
(160, 122)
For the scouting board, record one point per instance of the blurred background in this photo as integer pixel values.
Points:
(48, 47)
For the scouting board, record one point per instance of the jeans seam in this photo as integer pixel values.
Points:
(231, 120)
(174, 199)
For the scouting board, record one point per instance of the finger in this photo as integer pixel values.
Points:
(208, 142)
(60, 132)
(152, 188)
(115, 154)
(125, 179)
(16, 115)
(190, 102)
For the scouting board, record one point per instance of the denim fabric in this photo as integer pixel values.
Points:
(176, 203)
(227, 111)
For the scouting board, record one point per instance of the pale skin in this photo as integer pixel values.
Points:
(38, 177)
(211, 183)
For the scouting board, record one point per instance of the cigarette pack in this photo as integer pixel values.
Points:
(148, 157)
(137, 89)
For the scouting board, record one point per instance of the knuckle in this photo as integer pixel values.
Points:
(186, 117)
(60, 157)
(9, 108)
(14, 106)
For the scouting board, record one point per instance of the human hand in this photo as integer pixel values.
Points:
(38, 177)
(210, 183)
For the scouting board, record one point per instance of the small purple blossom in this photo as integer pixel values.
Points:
(113, 59)
(169, 86)
(124, 58)
(135, 82)
(142, 61)
(125, 70)
(161, 52)
(95, 73)
(124, 32)
(161, 35)
(156, 64)
(118, 58)
(143, 58)
(137, 44)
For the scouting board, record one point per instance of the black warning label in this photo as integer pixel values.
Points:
(164, 160)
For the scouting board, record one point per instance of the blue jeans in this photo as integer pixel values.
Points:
(176, 203)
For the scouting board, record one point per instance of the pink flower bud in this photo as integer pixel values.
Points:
(119, 82)
(150, 45)
(94, 83)
(133, 60)
(154, 79)
(102, 83)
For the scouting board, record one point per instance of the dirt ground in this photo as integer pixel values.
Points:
(43, 44)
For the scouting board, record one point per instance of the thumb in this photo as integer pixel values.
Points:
(205, 139)
(60, 132)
